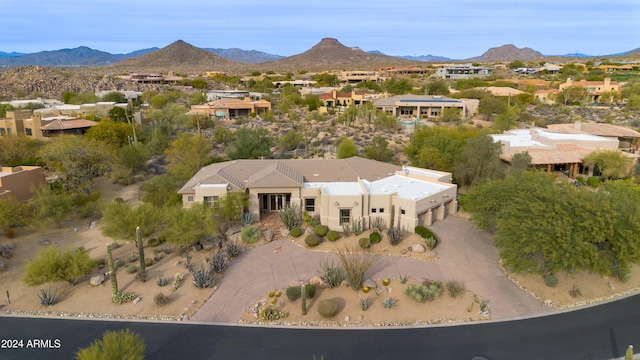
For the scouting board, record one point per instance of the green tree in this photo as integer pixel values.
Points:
(251, 144)
(115, 96)
(51, 205)
(436, 87)
(19, 150)
(13, 212)
(290, 140)
(312, 101)
(520, 161)
(119, 114)
(610, 97)
(571, 95)
(199, 83)
(116, 134)
(633, 102)
(378, 149)
(516, 64)
(369, 85)
(232, 206)
(121, 219)
(346, 149)
(4, 108)
(437, 147)
(114, 345)
(398, 86)
(76, 159)
(611, 163)
(188, 154)
(162, 190)
(386, 121)
(450, 114)
(185, 227)
(222, 135)
(492, 105)
(51, 264)
(479, 161)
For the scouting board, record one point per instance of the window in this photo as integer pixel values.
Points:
(28, 131)
(211, 201)
(1, 131)
(189, 198)
(207, 201)
(345, 216)
(310, 205)
(373, 210)
(216, 202)
(402, 211)
(381, 210)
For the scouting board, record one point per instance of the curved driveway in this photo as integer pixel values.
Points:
(466, 254)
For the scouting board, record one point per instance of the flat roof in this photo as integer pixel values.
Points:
(406, 188)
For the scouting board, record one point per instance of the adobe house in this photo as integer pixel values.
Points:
(337, 190)
(20, 181)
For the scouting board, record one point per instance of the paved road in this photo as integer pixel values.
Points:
(466, 254)
(601, 332)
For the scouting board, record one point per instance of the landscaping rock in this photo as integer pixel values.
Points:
(196, 247)
(10, 246)
(236, 229)
(3, 266)
(296, 283)
(212, 242)
(96, 279)
(268, 235)
(317, 282)
(137, 300)
(370, 283)
(418, 248)
(114, 246)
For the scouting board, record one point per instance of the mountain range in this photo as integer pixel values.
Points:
(328, 53)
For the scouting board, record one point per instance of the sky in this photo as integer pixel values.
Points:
(456, 29)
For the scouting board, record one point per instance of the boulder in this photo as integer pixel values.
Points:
(11, 245)
(268, 235)
(418, 248)
(236, 229)
(370, 283)
(3, 266)
(96, 279)
(212, 242)
(317, 281)
(196, 247)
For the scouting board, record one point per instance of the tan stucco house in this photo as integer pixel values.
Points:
(20, 181)
(337, 190)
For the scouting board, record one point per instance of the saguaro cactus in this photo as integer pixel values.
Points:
(303, 294)
(142, 275)
(112, 271)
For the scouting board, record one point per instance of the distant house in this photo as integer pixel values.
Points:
(20, 181)
(555, 151)
(294, 83)
(424, 106)
(338, 191)
(24, 123)
(462, 71)
(148, 78)
(335, 99)
(628, 139)
(357, 76)
(213, 95)
(594, 88)
(230, 108)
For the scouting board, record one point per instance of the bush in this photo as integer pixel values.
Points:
(48, 297)
(162, 281)
(202, 277)
(575, 291)
(293, 293)
(332, 275)
(153, 242)
(328, 308)
(121, 298)
(233, 249)
(396, 234)
(375, 237)
(355, 265)
(378, 223)
(423, 232)
(455, 288)
(321, 230)
(551, 280)
(9, 233)
(131, 269)
(271, 313)
(333, 235)
(295, 232)
(289, 216)
(161, 299)
(249, 234)
(123, 344)
(364, 243)
(218, 262)
(593, 181)
(422, 293)
(312, 240)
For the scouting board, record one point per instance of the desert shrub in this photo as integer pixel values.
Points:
(364, 243)
(289, 216)
(233, 249)
(332, 275)
(431, 242)
(9, 233)
(247, 218)
(178, 279)
(357, 226)
(123, 344)
(364, 304)
(131, 269)
(202, 276)
(378, 223)
(311, 220)
(48, 297)
(250, 234)
(312, 240)
(162, 281)
(550, 280)
(121, 298)
(593, 181)
(333, 235)
(218, 262)
(161, 299)
(321, 230)
(100, 262)
(423, 232)
(271, 313)
(346, 229)
(355, 264)
(389, 302)
(575, 291)
(293, 293)
(328, 308)
(295, 232)
(455, 288)
(620, 271)
(148, 261)
(422, 293)
(153, 242)
(396, 234)
(375, 237)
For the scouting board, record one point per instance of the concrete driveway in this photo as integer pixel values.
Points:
(465, 253)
